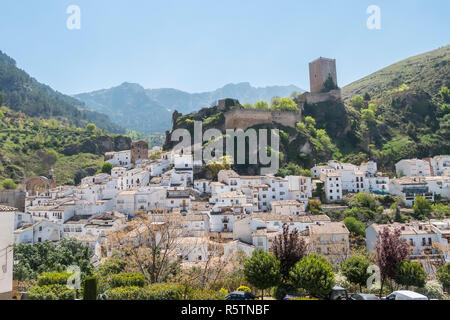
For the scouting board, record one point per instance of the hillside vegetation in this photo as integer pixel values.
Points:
(31, 146)
(428, 72)
(20, 92)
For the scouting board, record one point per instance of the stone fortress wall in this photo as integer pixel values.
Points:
(319, 71)
(240, 118)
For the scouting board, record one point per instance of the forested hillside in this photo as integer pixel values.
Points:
(20, 92)
(31, 146)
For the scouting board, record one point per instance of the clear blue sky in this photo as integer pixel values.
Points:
(200, 45)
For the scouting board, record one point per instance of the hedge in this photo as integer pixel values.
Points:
(51, 292)
(53, 278)
(127, 280)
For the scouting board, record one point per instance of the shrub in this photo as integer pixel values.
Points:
(90, 288)
(51, 292)
(410, 274)
(432, 290)
(9, 184)
(244, 288)
(355, 270)
(314, 274)
(127, 293)
(354, 226)
(53, 278)
(200, 294)
(279, 292)
(157, 291)
(165, 291)
(127, 280)
(443, 275)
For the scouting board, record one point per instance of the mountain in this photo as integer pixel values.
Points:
(20, 92)
(399, 112)
(429, 72)
(130, 106)
(185, 102)
(150, 110)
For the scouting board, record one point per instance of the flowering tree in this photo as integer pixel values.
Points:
(289, 248)
(390, 251)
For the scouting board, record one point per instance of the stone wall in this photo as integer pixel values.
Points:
(312, 98)
(243, 118)
(139, 151)
(13, 198)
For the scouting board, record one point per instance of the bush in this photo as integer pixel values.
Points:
(51, 292)
(200, 294)
(443, 275)
(157, 291)
(127, 280)
(53, 278)
(90, 288)
(165, 291)
(279, 292)
(313, 274)
(127, 293)
(410, 274)
(432, 290)
(9, 184)
(244, 288)
(354, 226)
(355, 270)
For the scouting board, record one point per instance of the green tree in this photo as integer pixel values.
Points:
(91, 128)
(107, 167)
(443, 274)
(358, 102)
(422, 208)
(262, 270)
(354, 226)
(355, 270)
(329, 85)
(90, 288)
(285, 104)
(410, 274)
(261, 105)
(313, 274)
(9, 184)
(215, 166)
(34, 259)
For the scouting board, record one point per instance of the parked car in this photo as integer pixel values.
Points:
(405, 295)
(240, 295)
(363, 296)
(337, 293)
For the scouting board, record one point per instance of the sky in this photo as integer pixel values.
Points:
(201, 45)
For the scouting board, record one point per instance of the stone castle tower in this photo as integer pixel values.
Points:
(319, 71)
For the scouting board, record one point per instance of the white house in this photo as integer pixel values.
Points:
(440, 164)
(40, 231)
(413, 167)
(332, 184)
(299, 188)
(425, 240)
(316, 171)
(409, 188)
(6, 251)
(119, 159)
(288, 207)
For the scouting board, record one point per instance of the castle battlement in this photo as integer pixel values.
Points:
(240, 118)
